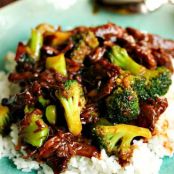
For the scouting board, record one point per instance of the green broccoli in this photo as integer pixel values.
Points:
(147, 83)
(122, 105)
(4, 118)
(72, 99)
(35, 44)
(33, 130)
(90, 39)
(117, 139)
(84, 43)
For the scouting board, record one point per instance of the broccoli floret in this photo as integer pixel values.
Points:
(72, 99)
(117, 139)
(84, 43)
(138, 83)
(33, 130)
(4, 118)
(148, 83)
(122, 105)
(90, 39)
(158, 82)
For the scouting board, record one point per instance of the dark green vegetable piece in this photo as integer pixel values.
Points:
(4, 118)
(51, 114)
(148, 83)
(72, 99)
(84, 43)
(117, 139)
(33, 130)
(122, 105)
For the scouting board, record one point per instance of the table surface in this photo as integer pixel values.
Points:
(5, 2)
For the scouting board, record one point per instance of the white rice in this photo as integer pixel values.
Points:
(10, 62)
(7, 88)
(146, 158)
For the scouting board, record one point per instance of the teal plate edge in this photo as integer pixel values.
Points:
(16, 21)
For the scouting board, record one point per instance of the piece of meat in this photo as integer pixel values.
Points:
(162, 58)
(150, 50)
(66, 145)
(99, 79)
(108, 31)
(90, 114)
(60, 148)
(150, 112)
(97, 54)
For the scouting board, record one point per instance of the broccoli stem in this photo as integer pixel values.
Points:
(119, 57)
(72, 114)
(134, 131)
(72, 100)
(36, 43)
(57, 63)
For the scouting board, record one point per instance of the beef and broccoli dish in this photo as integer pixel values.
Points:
(87, 89)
